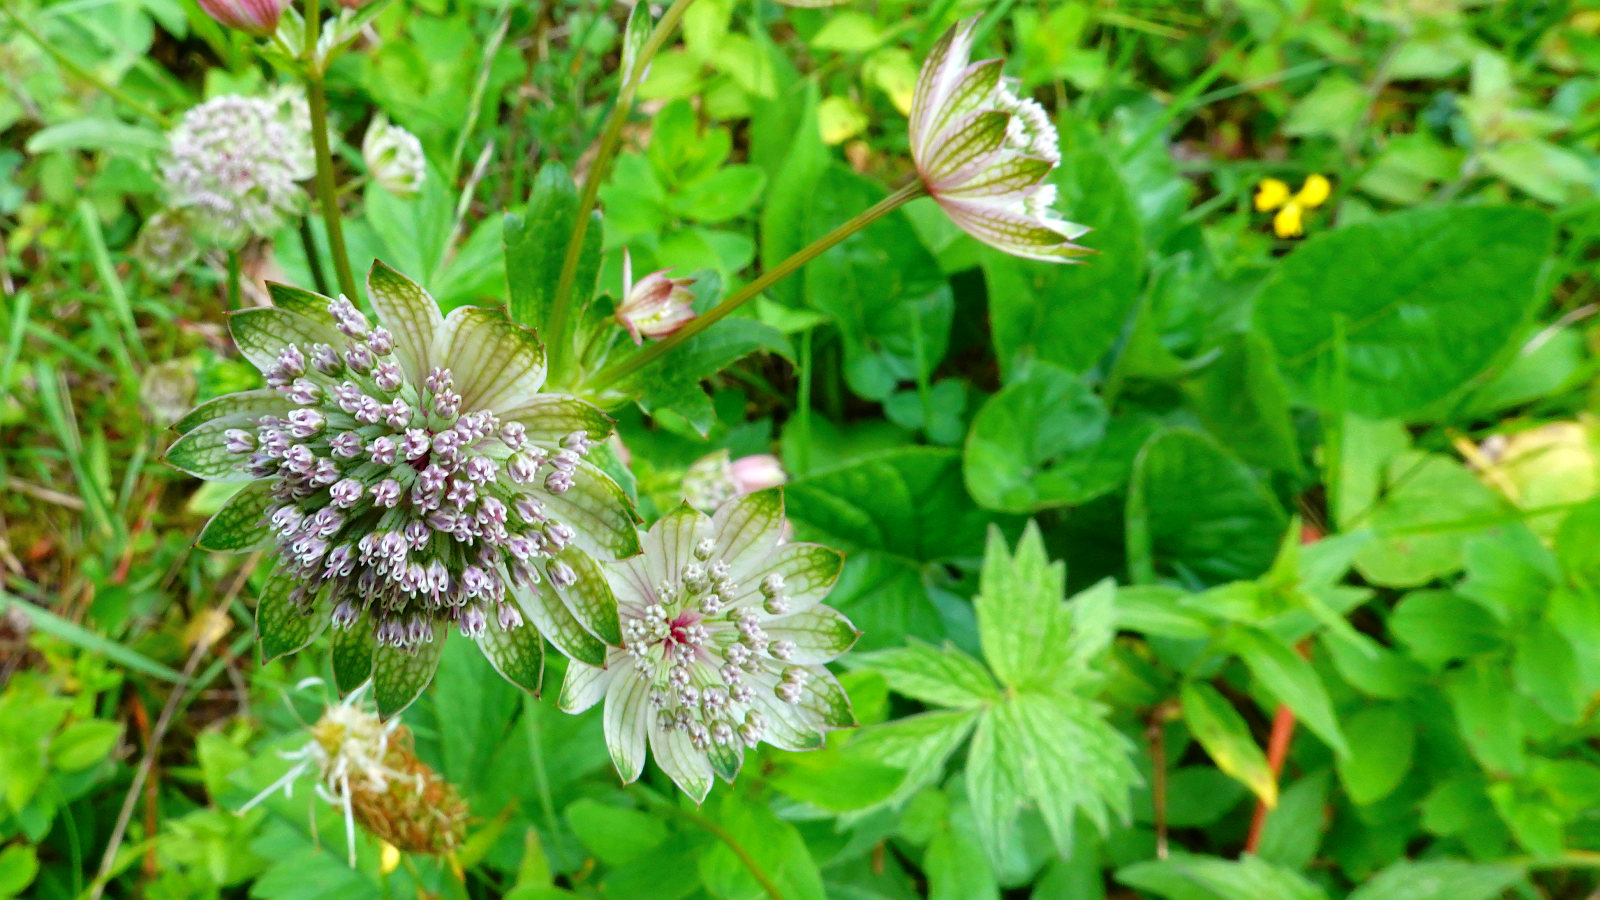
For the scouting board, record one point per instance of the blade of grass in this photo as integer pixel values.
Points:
(96, 498)
(49, 623)
(109, 281)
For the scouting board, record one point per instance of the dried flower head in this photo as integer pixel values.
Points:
(394, 157)
(258, 17)
(983, 153)
(411, 476)
(654, 306)
(235, 164)
(367, 768)
(722, 645)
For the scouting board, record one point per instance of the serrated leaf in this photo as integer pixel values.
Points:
(399, 676)
(1227, 739)
(240, 523)
(1441, 879)
(939, 675)
(1018, 605)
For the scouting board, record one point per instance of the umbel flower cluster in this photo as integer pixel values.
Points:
(723, 641)
(235, 164)
(411, 478)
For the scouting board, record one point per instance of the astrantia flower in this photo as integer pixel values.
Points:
(394, 157)
(412, 478)
(235, 164)
(259, 17)
(654, 306)
(722, 643)
(716, 478)
(983, 153)
(367, 768)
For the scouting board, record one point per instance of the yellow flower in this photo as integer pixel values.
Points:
(1273, 194)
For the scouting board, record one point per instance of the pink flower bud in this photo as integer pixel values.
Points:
(756, 473)
(258, 17)
(656, 306)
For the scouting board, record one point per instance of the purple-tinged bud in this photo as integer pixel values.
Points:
(347, 396)
(558, 482)
(352, 324)
(345, 615)
(558, 535)
(387, 376)
(345, 493)
(510, 617)
(286, 520)
(299, 459)
(305, 423)
(396, 414)
(416, 534)
(520, 469)
(480, 469)
(438, 380)
(382, 450)
(522, 547)
(386, 493)
(368, 411)
(325, 472)
(565, 460)
(381, 341)
(341, 561)
(392, 546)
(257, 17)
(237, 440)
(514, 435)
(275, 443)
(291, 361)
(358, 358)
(345, 445)
(431, 478)
(474, 624)
(326, 522)
(578, 442)
(492, 510)
(530, 510)
(304, 391)
(461, 492)
(447, 404)
(562, 575)
(326, 360)
(416, 444)
(656, 306)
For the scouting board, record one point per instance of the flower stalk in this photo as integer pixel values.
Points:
(610, 140)
(765, 280)
(327, 190)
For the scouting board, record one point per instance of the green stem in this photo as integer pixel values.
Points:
(610, 139)
(66, 62)
(327, 189)
(308, 242)
(233, 280)
(705, 320)
(722, 834)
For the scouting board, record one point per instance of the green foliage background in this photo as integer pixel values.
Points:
(1221, 567)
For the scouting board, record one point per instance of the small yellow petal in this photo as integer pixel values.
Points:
(1271, 194)
(389, 857)
(1314, 192)
(1286, 224)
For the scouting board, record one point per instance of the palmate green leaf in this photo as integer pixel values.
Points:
(773, 845)
(1227, 739)
(943, 676)
(1441, 879)
(958, 869)
(1046, 440)
(674, 382)
(1424, 300)
(1183, 876)
(919, 745)
(1019, 605)
(536, 244)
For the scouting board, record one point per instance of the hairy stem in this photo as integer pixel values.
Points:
(762, 282)
(610, 140)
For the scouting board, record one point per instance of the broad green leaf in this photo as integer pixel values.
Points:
(1291, 679)
(1438, 627)
(908, 501)
(1487, 715)
(1185, 877)
(1381, 740)
(19, 863)
(1432, 505)
(1229, 531)
(944, 676)
(1294, 827)
(1070, 315)
(1424, 300)
(1227, 739)
(536, 245)
(957, 868)
(1242, 400)
(773, 845)
(1046, 440)
(1440, 879)
(84, 743)
(614, 834)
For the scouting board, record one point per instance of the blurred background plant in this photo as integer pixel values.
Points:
(1343, 485)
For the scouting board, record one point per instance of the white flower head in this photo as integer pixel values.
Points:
(723, 640)
(411, 476)
(394, 157)
(235, 164)
(983, 153)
